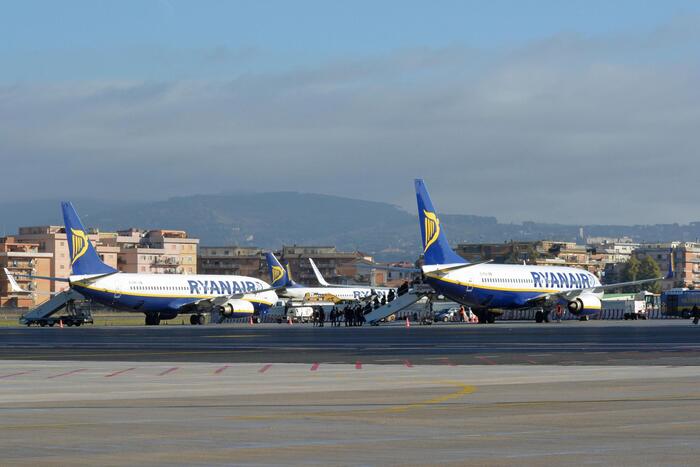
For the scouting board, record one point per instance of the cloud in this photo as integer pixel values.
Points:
(568, 129)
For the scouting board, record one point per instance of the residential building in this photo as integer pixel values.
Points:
(22, 258)
(232, 260)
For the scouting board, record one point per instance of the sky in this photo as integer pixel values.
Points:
(572, 112)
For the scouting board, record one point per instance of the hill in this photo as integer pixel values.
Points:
(269, 220)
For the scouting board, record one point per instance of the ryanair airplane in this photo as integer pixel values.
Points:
(280, 277)
(484, 286)
(158, 296)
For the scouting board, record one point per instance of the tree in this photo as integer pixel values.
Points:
(631, 271)
(649, 269)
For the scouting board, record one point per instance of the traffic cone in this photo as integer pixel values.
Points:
(289, 320)
(60, 323)
(408, 323)
(250, 320)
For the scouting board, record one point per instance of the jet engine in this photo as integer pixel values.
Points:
(235, 306)
(586, 303)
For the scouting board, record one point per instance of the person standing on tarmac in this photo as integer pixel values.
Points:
(321, 316)
(695, 313)
(332, 317)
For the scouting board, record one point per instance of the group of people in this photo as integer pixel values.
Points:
(354, 315)
(350, 315)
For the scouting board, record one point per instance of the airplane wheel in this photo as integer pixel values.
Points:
(194, 319)
(200, 319)
(491, 318)
(539, 316)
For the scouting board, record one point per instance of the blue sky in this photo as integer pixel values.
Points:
(560, 111)
(171, 39)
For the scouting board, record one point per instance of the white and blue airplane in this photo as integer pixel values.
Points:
(485, 286)
(158, 296)
(287, 288)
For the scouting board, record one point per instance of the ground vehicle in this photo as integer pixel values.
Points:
(451, 314)
(77, 318)
(680, 302)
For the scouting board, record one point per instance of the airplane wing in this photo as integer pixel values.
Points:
(573, 293)
(16, 288)
(221, 299)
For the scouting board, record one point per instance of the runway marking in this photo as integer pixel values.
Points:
(168, 371)
(15, 374)
(315, 366)
(408, 363)
(358, 365)
(117, 373)
(221, 370)
(464, 390)
(265, 368)
(67, 373)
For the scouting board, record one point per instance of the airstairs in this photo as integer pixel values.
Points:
(52, 306)
(399, 303)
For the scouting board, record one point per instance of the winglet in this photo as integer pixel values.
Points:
(14, 286)
(319, 277)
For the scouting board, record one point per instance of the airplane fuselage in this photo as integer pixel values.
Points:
(342, 293)
(509, 286)
(168, 293)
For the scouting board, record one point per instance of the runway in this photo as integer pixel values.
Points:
(613, 393)
(662, 342)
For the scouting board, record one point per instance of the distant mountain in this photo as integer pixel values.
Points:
(269, 220)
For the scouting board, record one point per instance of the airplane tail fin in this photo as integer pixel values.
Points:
(671, 266)
(279, 276)
(436, 249)
(84, 258)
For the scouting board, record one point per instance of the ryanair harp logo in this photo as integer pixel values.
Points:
(432, 229)
(79, 244)
(277, 273)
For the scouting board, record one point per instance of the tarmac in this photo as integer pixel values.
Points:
(622, 393)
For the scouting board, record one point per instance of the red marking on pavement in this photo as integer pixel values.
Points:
(358, 365)
(315, 366)
(169, 370)
(531, 362)
(265, 368)
(222, 369)
(67, 373)
(448, 362)
(15, 374)
(408, 364)
(487, 360)
(119, 372)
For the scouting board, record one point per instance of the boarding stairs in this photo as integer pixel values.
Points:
(399, 303)
(52, 306)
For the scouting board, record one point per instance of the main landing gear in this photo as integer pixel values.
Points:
(542, 316)
(152, 319)
(197, 319)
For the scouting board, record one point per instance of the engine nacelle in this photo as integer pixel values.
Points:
(235, 305)
(584, 304)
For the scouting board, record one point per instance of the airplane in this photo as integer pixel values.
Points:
(158, 296)
(485, 286)
(364, 290)
(280, 278)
